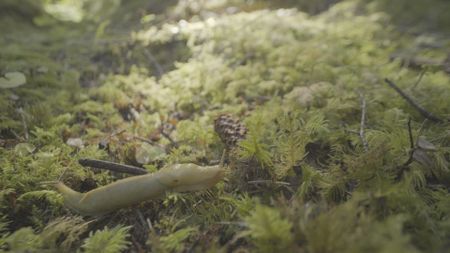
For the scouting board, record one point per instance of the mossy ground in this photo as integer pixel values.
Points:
(115, 83)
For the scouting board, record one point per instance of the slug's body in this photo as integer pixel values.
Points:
(133, 190)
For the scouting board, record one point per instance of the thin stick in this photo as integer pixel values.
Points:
(268, 182)
(148, 141)
(362, 135)
(144, 140)
(222, 159)
(62, 174)
(15, 134)
(411, 138)
(167, 136)
(412, 149)
(106, 165)
(117, 133)
(158, 67)
(141, 218)
(414, 104)
(422, 73)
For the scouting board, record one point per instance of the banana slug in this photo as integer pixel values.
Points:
(133, 190)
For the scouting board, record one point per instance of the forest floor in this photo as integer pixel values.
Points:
(338, 131)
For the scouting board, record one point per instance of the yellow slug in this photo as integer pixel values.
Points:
(133, 190)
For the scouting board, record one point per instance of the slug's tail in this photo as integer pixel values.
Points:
(71, 198)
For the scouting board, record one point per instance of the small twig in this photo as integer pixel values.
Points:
(158, 67)
(142, 220)
(362, 135)
(148, 141)
(144, 140)
(107, 139)
(268, 182)
(421, 127)
(411, 138)
(414, 104)
(15, 134)
(164, 134)
(62, 174)
(117, 133)
(106, 165)
(412, 149)
(168, 138)
(422, 73)
(136, 244)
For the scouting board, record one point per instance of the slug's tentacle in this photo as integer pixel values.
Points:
(133, 190)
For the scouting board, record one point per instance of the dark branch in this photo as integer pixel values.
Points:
(106, 165)
(419, 108)
(167, 136)
(411, 138)
(412, 149)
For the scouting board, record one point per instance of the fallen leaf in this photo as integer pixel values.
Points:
(12, 80)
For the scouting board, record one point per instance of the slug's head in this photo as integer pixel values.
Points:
(190, 177)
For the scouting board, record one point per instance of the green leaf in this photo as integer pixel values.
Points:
(12, 80)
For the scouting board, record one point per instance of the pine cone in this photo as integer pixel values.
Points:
(230, 130)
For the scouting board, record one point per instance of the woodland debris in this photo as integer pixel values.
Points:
(230, 130)
(414, 104)
(116, 167)
(12, 80)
